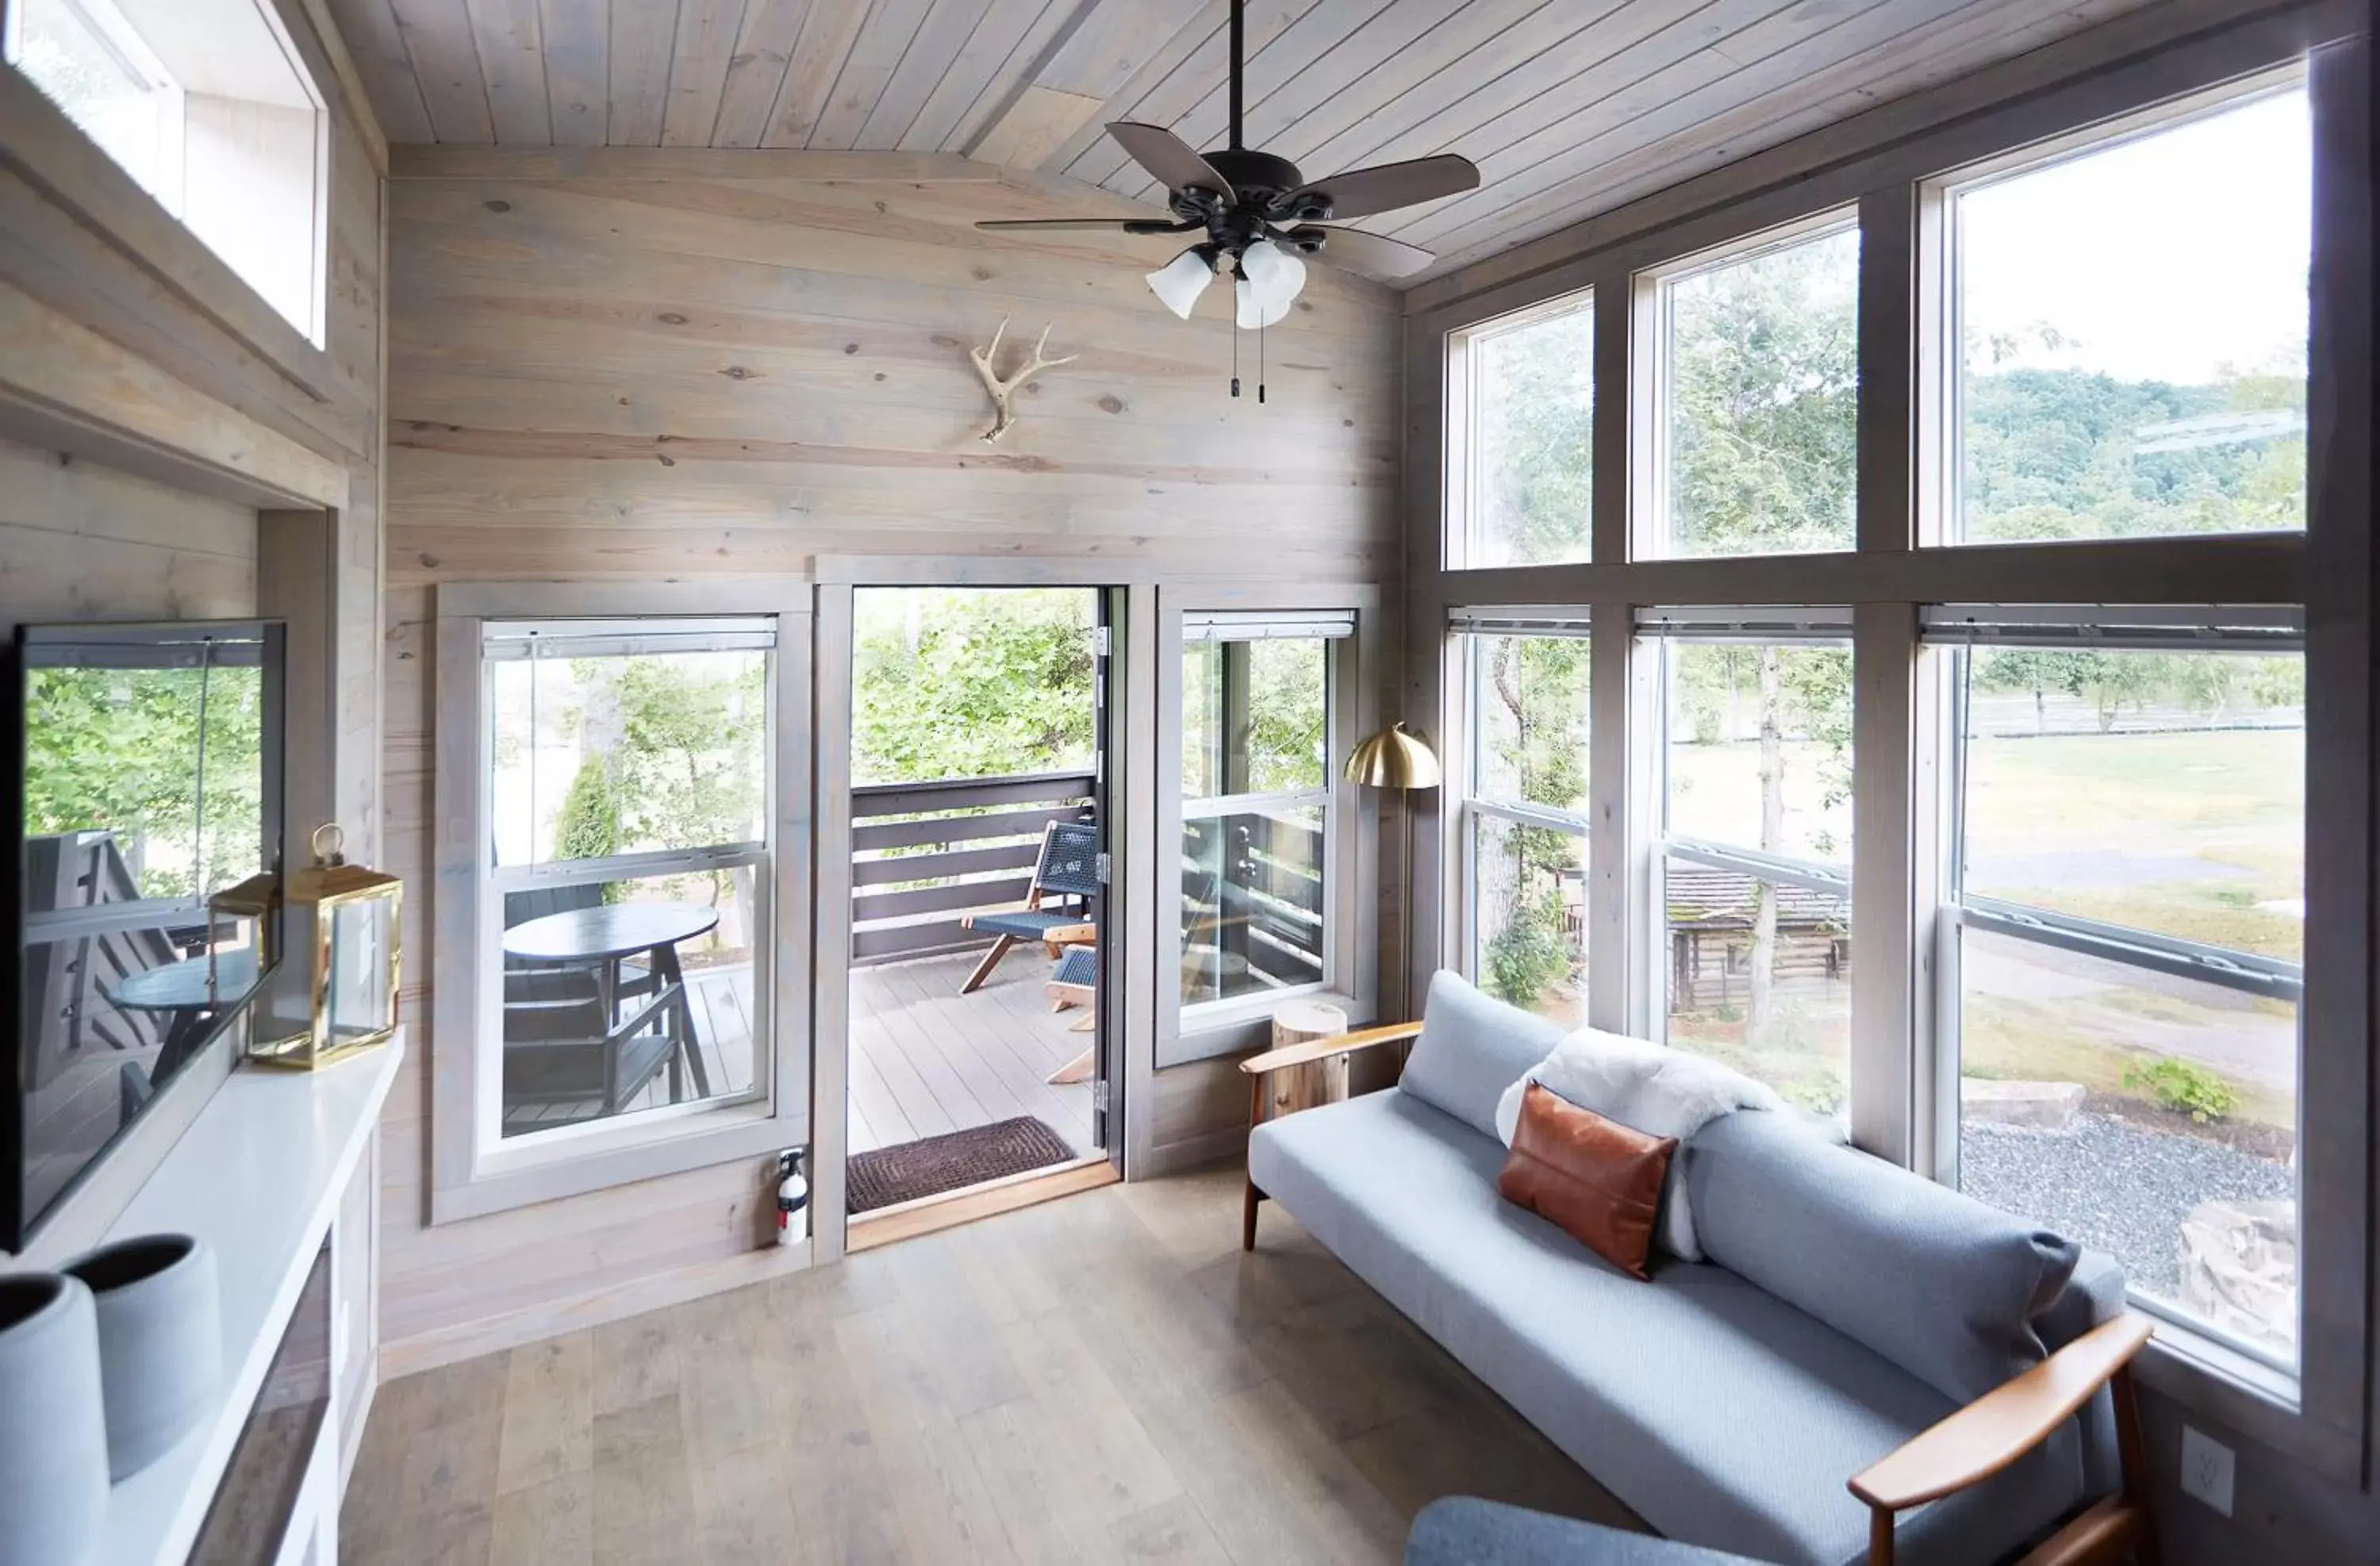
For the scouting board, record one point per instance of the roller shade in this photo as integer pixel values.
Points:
(1521, 620)
(503, 640)
(2157, 629)
(1202, 624)
(1752, 622)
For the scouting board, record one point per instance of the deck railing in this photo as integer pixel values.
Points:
(924, 854)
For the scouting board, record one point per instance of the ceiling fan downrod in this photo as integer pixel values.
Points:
(1239, 63)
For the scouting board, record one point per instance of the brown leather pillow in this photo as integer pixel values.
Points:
(1596, 1178)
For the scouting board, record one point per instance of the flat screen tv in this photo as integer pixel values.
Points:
(141, 767)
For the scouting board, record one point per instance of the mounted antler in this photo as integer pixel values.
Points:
(1005, 392)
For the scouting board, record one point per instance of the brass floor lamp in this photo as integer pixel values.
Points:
(1396, 759)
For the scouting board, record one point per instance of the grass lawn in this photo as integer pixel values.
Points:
(2195, 834)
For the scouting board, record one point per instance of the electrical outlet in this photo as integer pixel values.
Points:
(2207, 1469)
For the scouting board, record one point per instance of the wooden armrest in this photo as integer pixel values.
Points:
(1323, 1049)
(2005, 1422)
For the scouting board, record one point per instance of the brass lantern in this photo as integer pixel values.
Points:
(334, 992)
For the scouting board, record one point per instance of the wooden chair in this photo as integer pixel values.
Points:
(1961, 1450)
(563, 1053)
(1057, 908)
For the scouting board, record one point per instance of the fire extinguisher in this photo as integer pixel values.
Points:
(792, 1199)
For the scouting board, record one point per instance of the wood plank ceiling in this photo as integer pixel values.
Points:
(1570, 107)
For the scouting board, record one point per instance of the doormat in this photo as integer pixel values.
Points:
(932, 1165)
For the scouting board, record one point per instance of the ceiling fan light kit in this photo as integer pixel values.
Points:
(1179, 281)
(1259, 213)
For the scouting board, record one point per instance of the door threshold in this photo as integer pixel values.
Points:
(948, 1209)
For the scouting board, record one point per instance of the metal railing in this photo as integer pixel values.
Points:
(924, 854)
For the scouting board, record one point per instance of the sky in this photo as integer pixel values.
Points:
(2162, 258)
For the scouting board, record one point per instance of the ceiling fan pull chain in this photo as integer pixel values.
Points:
(1260, 332)
(1235, 359)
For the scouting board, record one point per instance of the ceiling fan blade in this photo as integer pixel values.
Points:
(1352, 249)
(1169, 159)
(1362, 191)
(1088, 224)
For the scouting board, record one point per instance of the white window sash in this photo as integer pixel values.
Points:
(1544, 818)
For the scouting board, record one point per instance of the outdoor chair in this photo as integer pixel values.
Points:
(565, 1059)
(1057, 909)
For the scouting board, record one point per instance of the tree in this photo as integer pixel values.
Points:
(955, 683)
(1533, 421)
(1534, 741)
(118, 749)
(1763, 408)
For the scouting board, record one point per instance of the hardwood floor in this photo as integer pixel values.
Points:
(1104, 1378)
(927, 1060)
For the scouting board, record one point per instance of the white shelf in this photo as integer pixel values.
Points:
(258, 1176)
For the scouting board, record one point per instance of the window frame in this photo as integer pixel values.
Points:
(1208, 1030)
(1653, 290)
(474, 1169)
(1942, 323)
(2106, 82)
(1660, 629)
(1951, 634)
(1461, 500)
(1468, 629)
(148, 234)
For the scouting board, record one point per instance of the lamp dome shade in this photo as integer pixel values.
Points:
(1180, 282)
(1393, 759)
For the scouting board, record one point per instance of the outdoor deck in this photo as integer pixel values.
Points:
(927, 1060)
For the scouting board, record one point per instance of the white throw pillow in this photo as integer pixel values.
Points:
(1649, 1088)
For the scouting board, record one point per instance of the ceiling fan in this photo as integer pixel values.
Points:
(1259, 211)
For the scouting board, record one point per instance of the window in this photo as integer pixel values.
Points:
(1754, 875)
(1525, 814)
(1758, 408)
(208, 105)
(2130, 878)
(627, 793)
(1525, 468)
(1256, 803)
(2129, 344)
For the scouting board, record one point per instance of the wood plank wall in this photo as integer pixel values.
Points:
(79, 541)
(712, 363)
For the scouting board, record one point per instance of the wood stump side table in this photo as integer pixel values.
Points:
(1306, 1066)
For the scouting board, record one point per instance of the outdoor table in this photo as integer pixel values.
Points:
(602, 938)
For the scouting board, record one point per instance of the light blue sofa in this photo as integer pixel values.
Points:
(1845, 1307)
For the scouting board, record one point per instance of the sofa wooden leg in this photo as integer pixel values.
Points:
(1248, 1217)
(2133, 1453)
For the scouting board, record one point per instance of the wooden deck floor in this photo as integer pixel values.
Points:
(927, 1060)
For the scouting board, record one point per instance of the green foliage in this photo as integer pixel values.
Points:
(588, 826)
(954, 682)
(1534, 419)
(1763, 402)
(2183, 1085)
(1530, 953)
(1534, 728)
(1288, 715)
(2065, 453)
(670, 781)
(118, 749)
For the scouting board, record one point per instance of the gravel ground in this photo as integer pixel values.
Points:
(2113, 1185)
